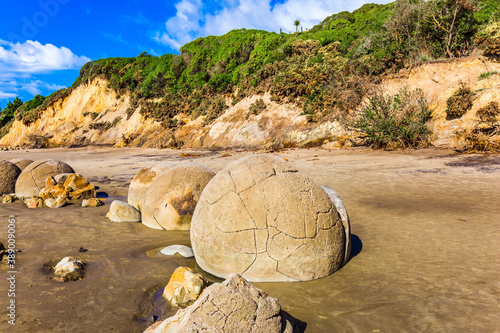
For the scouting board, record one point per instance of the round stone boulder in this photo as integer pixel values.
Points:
(260, 218)
(32, 180)
(9, 173)
(141, 182)
(21, 163)
(170, 201)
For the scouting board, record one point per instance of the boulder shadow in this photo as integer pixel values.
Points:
(298, 325)
(356, 246)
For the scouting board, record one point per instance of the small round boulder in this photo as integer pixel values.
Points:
(141, 182)
(32, 180)
(9, 173)
(170, 201)
(260, 218)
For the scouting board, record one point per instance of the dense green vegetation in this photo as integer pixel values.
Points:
(326, 70)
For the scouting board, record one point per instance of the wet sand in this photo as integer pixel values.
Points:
(426, 246)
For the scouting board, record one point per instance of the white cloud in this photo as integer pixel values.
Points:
(19, 62)
(192, 19)
(33, 57)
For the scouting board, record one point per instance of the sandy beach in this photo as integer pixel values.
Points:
(426, 245)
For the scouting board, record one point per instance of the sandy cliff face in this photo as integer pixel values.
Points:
(94, 114)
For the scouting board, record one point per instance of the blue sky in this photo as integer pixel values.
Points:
(43, 43)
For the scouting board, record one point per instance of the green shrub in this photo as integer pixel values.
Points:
(395, 121)
(460, 102)
(487, 74)
(257, 107)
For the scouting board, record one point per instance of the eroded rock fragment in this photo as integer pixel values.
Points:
(231, 306)
(184, 287)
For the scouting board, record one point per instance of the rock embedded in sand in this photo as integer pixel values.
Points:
(184, 251)
(92, 202)
(184, 287)
(69, 269)
(231, 306)
(170, 201)
(56, 203)
(21, 163)
(120, 211)
(9, 174)
(35, 202)
(141, 182)
(262, 219)
(32, 179)
(339, 205)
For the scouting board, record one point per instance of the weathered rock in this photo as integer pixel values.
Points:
(56, 203)
(83, 193)
(231, 306)
(339, 205)
(184, 287)
(170, 201)
(141, 182)
(53, 190)
(120, 211)
(69, 269)
(9, 173)
(74, 182)
(21, 163)
(35, 202)
(262, 219)
(32, 178)
(61, 178)
(92, 202)
(9, 198)
(184, 251)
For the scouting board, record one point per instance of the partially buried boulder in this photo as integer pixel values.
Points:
(184, 287)
(231, 306)
(170, 201)
(183, 250)
(120, 211)
(69, 269)
(9, 173)
(32, 179)
(141, 182)
(21, 163)
(262, 219)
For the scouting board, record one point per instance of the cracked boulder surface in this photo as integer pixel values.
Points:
(171, 199)
(260, 218)
(32, 179)
(231, 306)
(9, 173)
(141, 182)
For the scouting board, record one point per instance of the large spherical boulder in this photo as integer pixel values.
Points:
(9, 173)
(260, 218)
(170, 201)
(141, 182)
(21, 163)
(32, 180)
